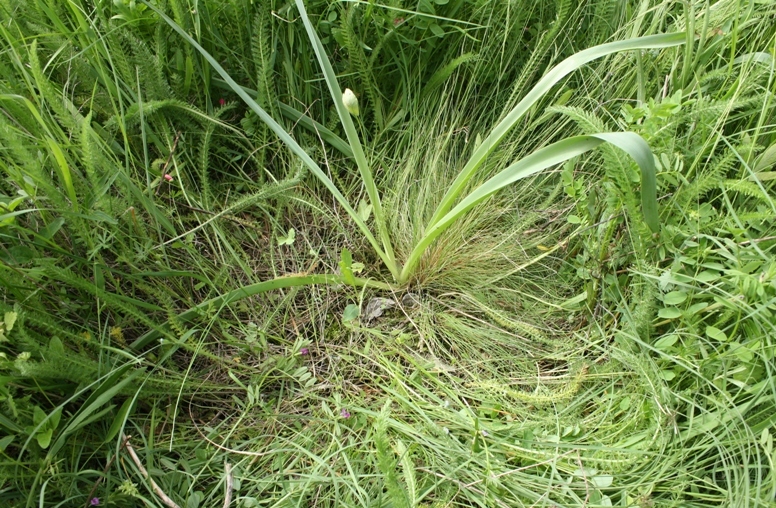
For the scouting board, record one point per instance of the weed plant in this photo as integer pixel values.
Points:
(190, 316)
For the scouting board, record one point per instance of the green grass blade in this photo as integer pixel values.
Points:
(557, 73)
(352, 135)
(542, 159)
(281, 133)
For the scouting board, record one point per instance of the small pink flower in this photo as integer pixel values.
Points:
(222, 101)
(398, 21)
(345, 413)
(304, 351)
(95, 501)
(168, 177)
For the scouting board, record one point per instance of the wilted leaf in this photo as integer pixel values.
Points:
(376, 306)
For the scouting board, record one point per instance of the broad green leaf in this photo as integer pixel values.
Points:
(350, 313)
(675, 297)
(669, 313)
(38, 415)
(44, 438)
(668, 375)
(666, 342)
(715, 333)
(603, 481)
(55, 346)
(54, 418)
(742, 352)
(707, 276)
(544, 85)
(695, 308)
(5, 441)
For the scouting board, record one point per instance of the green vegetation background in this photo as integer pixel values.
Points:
(550, 350)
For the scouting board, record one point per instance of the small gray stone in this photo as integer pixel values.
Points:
(376, 306)
(410, 300)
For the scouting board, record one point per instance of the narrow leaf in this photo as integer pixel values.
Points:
(544, 85)
(540, 160)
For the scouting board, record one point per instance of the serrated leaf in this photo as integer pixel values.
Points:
(10, 320)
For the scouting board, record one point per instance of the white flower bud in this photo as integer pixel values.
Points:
(350, 101)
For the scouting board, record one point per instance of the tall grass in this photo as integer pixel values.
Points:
(188, 316)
